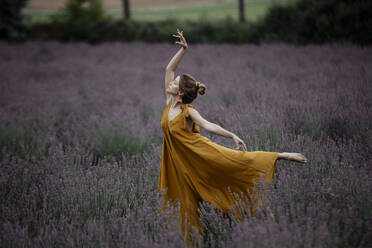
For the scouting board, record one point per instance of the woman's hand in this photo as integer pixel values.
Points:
(182, 41)
(239, 143)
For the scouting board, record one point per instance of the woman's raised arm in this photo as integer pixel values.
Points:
(173, 64)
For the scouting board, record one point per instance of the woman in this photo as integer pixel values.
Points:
(195, 169)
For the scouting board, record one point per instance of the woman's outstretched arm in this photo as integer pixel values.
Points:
(215, 129)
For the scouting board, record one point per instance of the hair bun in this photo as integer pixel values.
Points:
(201, 88)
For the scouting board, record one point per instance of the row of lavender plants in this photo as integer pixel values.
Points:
(81, 142)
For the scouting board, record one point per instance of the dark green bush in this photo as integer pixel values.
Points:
(11, 26)
(227, 30)
(77, 19)
(317, 21)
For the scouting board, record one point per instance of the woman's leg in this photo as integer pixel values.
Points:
(297, 157)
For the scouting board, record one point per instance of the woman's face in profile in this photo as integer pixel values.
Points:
(173, 87)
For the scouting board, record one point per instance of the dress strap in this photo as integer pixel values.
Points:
(185, 112)
(185, 109)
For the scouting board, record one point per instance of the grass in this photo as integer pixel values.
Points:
(114, 143)
(19, 141)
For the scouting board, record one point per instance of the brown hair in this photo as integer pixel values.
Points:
(190, 87)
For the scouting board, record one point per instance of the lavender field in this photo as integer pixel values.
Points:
(81, 140)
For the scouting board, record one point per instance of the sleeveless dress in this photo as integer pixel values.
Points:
(195, 169)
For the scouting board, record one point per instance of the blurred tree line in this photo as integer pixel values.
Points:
(11, 25)
(298, 21)
(318, 21)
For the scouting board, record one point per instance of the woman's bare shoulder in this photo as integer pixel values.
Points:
(192, 111)
(196, 117)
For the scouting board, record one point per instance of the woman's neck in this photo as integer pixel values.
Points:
(175, 102)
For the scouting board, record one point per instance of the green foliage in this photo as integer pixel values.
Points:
(11, 26)
(19, 142)
(317, 21)
(146, 114)
(77, 19)
(204, 31)
(115, 142)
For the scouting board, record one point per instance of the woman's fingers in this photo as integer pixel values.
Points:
(180, 37)
(182, 44)
(243, 146)
(179, 32)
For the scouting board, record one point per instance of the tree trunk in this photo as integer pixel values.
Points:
(126, 10)
(241, 11)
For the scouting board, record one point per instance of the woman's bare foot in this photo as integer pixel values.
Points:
(297, 157)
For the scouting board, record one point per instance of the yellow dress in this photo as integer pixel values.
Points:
(195, 169)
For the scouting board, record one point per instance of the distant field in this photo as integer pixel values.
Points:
(39, 10)
(47, 5)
